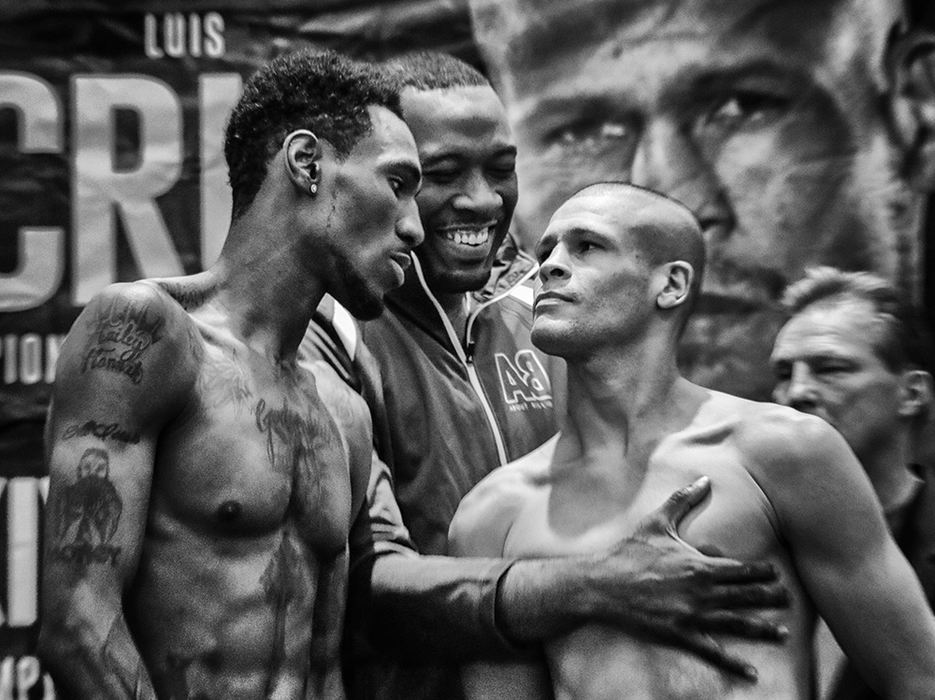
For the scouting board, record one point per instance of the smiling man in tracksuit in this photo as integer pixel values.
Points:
(456, 389)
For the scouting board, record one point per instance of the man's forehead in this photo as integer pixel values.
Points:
(611, 212)
(389, 131)
(831, 328)
(455, 104)
(563, 33)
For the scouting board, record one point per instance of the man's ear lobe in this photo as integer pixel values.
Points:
(915, 393)
(678, 281)
(302, 156)
(911, 74)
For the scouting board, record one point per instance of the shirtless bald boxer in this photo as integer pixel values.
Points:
(620, 268)
(198, 548)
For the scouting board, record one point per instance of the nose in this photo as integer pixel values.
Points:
(409, 225)
(800, 390)
(555, 266)
(668, 160)
(477, 195)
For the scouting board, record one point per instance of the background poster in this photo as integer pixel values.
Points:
(111, 126)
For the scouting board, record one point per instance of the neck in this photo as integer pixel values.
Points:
(626, 396)
(888, 472)
(455, 305)
(268, 296)
(456, 308)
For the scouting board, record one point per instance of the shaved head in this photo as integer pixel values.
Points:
(662, 228)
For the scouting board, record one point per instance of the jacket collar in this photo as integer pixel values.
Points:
(415, 300)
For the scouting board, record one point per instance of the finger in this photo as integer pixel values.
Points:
(710, 550)
(758, 595)
(729, 571)
(706, 648)
(723, 622)
(680, 503)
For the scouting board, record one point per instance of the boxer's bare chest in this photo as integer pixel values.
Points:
(591, 506)
(257, 448)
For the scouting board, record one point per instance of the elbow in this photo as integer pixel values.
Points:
(57, 642)
(64, 635)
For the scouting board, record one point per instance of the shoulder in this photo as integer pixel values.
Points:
(487, 512)
(782, 435)
(131, 343)
(346, 406)
(788, 452)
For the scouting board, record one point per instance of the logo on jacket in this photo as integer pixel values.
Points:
(523, 381)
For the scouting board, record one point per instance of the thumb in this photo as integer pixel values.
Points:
(680, 503)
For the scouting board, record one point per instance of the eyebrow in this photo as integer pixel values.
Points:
(546, 239)
(694, 83)
(704, 80)
(575, 233)
(407, 168)
(446, 153)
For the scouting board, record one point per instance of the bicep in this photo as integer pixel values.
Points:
(96, 513)
(111, 397)
(852, 569)
(517, 680)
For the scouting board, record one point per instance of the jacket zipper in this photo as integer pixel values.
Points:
(466, 356)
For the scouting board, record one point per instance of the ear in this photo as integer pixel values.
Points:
(915, 393)
(302, 156)
(677, 286)
(910, 66)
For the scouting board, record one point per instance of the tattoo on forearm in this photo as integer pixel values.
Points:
(102, 431)
(86, 514)
(117, 661)
(122, 334)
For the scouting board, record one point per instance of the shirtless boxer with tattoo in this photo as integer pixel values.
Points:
(202, 482)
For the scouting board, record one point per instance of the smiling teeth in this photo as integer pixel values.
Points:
(468, 236)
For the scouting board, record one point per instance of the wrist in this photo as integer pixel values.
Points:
(541, 598)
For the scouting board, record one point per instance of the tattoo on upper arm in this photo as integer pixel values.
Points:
(86, 513)
(102, 431)
(122, 334)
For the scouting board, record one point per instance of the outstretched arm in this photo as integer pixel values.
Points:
(117, 377)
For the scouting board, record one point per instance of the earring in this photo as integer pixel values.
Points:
(314, 173)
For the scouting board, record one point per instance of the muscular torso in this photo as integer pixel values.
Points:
(587, 507)
(249, 515)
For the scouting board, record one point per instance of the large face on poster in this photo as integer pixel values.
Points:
(780, 124)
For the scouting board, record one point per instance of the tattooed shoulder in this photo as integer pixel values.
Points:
(124, 326)
(121, 332)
